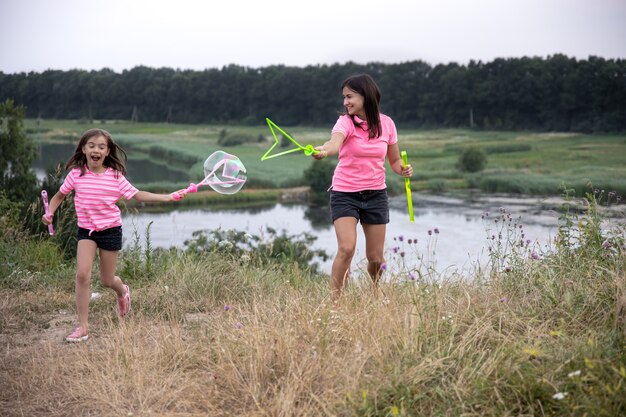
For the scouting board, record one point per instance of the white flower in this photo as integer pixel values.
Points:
(559, 395)
(573, 374)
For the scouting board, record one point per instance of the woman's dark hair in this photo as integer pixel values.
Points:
(116, 158)
(366, 86)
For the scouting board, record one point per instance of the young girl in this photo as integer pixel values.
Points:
(363, 138)
(96, 175)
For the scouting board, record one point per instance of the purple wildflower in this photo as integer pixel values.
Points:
(430, 233)
(412, 276)
(504, 300)
(402, 254)
(534, 255)
(227, 307)
(239, 325)
(401, 238)
(436, 230)
(383, 266)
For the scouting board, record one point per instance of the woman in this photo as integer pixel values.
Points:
(362, 137)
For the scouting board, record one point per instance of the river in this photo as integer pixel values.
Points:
(452, 234)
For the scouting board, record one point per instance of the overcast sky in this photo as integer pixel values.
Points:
(36, 35)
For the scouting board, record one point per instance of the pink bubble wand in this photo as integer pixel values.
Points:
(44, 198)
(224, 173)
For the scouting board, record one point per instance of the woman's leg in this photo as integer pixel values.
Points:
(374, 249)
(85, 254)
(345, 229)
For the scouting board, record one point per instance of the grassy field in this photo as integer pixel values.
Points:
(517, 162)
(534, 334)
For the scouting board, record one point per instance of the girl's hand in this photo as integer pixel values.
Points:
(407, 171)
(321, 155)
(178, 195)
(45, 220)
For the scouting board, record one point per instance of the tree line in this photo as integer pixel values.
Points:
(556, 93)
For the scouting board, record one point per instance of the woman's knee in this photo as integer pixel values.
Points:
(346, 251)
(376, 259)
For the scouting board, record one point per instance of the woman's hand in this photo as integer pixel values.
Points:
(321, 154)
(407, 171)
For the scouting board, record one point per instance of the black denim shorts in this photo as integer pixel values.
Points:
(107, 239)
(368, 207)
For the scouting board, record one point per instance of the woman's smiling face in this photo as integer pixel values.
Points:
(353, 102)
(96, 150)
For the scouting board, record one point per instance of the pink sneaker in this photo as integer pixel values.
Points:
(123, 303)
(77, 336)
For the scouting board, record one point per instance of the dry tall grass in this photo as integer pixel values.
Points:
(210, 336)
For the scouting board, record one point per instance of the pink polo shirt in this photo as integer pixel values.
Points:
(96, 195)
(361, 159)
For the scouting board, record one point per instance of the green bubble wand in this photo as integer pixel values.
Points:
(407, 184)
(308, 149)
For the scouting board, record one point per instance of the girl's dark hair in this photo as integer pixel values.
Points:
(366, 86)
(116, 158)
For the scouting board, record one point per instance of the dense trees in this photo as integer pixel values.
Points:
(553, 93)
(17, 153)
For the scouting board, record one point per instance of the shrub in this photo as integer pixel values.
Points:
(319, 177)
(472, 160)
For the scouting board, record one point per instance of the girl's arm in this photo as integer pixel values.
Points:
(331, 147)
(393, 154)
(146, 197)
(54, 204)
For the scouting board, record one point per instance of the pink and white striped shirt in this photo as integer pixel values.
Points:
(96, 195)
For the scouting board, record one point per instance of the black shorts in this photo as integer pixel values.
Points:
(368, 207)
(107, 239)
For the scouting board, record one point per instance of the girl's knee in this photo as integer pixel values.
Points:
(83, 277)
(107, 281)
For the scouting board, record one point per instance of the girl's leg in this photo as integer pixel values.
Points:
(108, 264)
(85, 254)
(374, 249)
(345, 229)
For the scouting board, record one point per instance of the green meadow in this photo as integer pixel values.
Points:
(529, 163)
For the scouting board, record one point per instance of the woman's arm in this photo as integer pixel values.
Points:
(393, 154)
(331, 147)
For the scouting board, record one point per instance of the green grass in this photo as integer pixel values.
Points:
(543, 160)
